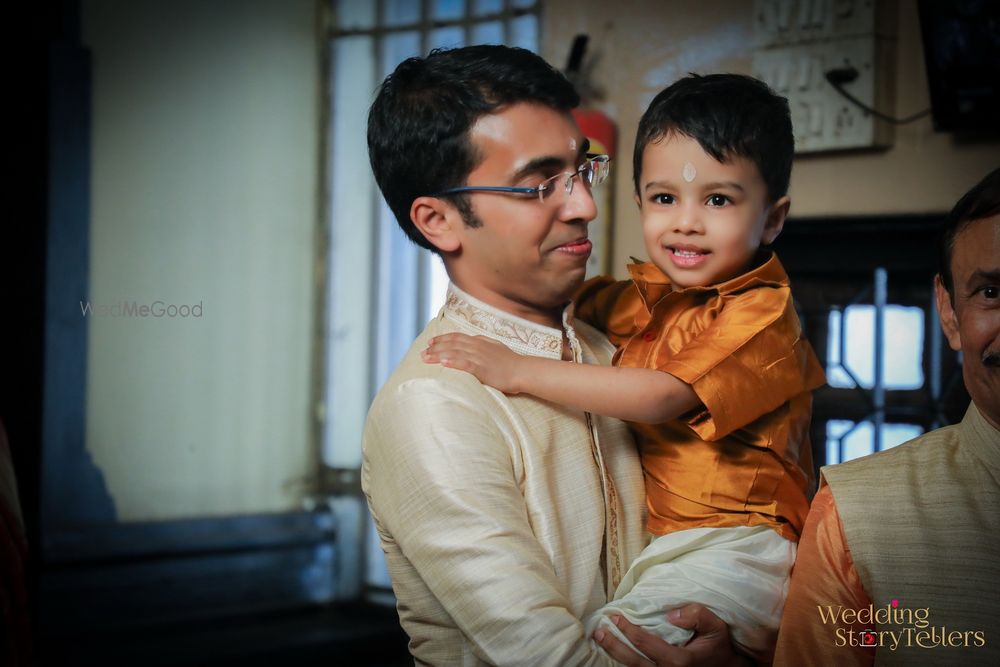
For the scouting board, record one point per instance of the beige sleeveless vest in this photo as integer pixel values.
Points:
(922, 522)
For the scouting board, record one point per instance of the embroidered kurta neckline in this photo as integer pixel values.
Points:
(518, 333)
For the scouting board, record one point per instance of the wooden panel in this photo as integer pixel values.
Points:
(841, 247)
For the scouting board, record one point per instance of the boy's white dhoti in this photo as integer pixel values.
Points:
(739, 573)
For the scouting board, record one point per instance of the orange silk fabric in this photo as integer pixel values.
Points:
(743, 458)
(823, 576)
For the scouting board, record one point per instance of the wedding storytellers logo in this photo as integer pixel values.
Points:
(896, 626)
(137, 309)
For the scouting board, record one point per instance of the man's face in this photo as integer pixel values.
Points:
(703, 220)
(528, 256)
(972, 321)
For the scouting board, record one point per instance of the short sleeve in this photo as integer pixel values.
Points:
(601, 302)
(749, 361)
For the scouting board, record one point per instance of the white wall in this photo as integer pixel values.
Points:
(205, 189)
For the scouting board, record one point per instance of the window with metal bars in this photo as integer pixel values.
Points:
(864, 291)
(381, 288)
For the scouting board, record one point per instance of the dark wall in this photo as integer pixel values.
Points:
(31, 28)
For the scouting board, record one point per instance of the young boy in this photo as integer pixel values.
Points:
(711, 371)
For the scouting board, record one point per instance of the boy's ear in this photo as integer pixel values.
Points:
(776, 215)
(438, 221)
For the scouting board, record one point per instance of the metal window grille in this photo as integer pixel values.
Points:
(380, 288)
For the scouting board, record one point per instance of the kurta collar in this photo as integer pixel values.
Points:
(981, 438)
(520, 335)
(653, 284)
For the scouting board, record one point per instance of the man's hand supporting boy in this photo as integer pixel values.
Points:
(710, 646)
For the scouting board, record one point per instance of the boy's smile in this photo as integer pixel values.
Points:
(703, 220)
(687, 256)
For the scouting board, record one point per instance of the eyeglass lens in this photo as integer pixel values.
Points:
(592, 172)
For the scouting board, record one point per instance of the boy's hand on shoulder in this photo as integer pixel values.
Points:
(492, 362)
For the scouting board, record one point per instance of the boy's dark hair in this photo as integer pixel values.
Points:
(982, 201)
(418, 126)
(728, 115)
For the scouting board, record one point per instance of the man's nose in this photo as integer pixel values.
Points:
(579, 205)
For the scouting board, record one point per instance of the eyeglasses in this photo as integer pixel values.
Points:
(592, 173)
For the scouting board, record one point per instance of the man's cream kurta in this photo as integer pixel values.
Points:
(505, 519)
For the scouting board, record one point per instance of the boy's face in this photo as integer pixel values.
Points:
(703, 220)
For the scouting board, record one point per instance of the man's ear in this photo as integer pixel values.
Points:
(438, 221)
(946, 313)
(775, 221)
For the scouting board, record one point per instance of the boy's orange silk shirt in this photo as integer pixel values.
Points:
(743, 458)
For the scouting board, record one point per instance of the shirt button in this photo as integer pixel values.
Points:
(649, 336)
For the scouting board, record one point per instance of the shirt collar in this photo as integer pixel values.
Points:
(981, 438)
(653, 284)
(522, 336)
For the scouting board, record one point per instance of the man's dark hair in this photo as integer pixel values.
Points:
(728, 115)
(982, 201)
(418, 126)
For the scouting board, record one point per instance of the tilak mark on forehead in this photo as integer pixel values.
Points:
(689, 172)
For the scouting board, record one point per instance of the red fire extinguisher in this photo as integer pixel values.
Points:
(601, 131)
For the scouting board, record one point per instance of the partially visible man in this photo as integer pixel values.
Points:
(15, 631)
(899, 561)
(504, 519)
